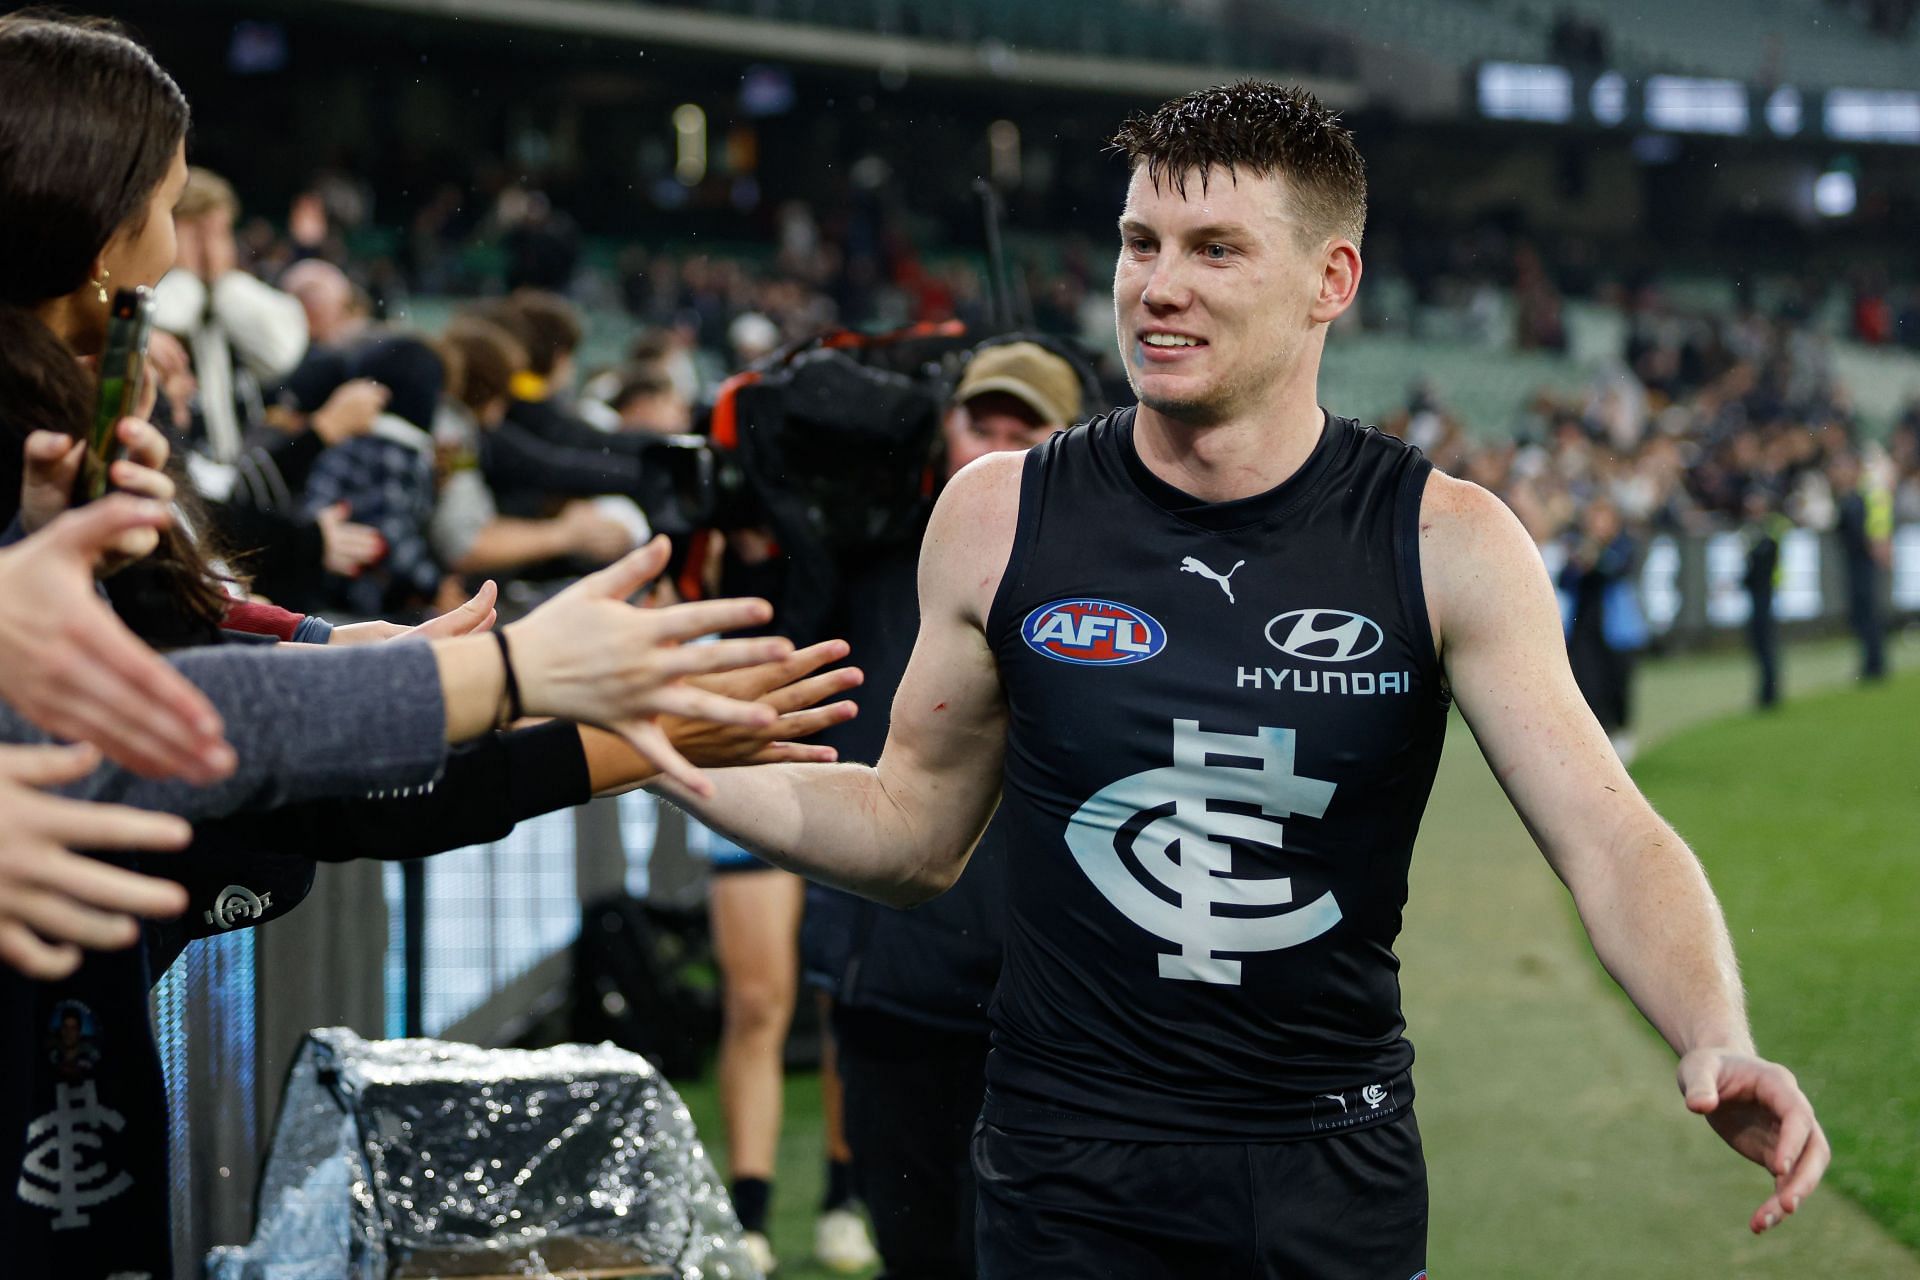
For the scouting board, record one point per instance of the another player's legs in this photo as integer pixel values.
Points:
(913, 1095)
(840, 1239)
(756, 930)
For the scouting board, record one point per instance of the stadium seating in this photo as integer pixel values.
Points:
(1453, 32)
(1131, 28)
(1802, 42)
(1796, 41)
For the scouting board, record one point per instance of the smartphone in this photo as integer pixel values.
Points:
(123, 371)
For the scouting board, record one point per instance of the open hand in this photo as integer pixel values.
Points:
(347, 548)
(1757, 1108)
(72, 667)
(593, 534)
(787, 686)
(590, 656)
(471, 618)
(350, 411)
(53, 902)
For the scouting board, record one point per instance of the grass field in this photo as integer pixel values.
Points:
(1805, 819)
(1556, 1143)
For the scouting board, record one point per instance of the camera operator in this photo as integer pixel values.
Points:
(910, 988)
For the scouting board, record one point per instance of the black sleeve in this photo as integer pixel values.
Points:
(274, 467)
(285, 556)
(515, 459)
(488, 786)
(251, 868)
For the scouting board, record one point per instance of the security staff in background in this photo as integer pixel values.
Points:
(1764, 526)
(1199, 656)
(910, 989)
(1866, 549)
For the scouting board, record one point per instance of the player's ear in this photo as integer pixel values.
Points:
(1339, 280)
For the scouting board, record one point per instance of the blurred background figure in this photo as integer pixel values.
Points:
(1865, 524)
(1762, 530)
(1605, 628)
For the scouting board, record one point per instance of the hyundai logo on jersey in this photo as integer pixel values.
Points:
(1093, 633)
(1324, 635)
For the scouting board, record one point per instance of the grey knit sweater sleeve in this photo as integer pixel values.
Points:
(306, 722)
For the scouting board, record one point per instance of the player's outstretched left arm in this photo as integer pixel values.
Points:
(1641, 893)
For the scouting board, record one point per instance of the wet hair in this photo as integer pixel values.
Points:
(1263, 129)
(89, 124)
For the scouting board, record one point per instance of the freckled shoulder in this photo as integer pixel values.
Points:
(970, 536)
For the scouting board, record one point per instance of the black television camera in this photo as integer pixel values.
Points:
(832, 445)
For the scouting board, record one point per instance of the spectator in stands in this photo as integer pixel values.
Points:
(1763, 528)
(243, 333)
(385, 479)
(92, 159)
(1605, 627)
(1865, 525)
(646, 399)
(336, 311)
(541, 242)
(469, 534)
(542, 452)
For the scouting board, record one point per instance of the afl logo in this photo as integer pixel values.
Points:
(1093, 633)
(1324, 635)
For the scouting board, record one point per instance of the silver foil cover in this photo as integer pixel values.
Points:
(415, 1158)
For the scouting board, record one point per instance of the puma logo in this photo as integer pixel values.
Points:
(1190, 565)
(1340, 1098)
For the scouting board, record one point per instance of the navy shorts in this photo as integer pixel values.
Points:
(1350, 1206)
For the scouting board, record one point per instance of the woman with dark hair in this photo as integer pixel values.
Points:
(91, 155)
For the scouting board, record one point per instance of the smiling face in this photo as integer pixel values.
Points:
(1220, 293)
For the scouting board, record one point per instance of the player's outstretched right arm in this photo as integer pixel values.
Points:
(901, 831)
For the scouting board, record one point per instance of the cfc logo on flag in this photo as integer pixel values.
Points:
(1093, 633)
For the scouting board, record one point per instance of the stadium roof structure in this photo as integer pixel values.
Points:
(992, 40)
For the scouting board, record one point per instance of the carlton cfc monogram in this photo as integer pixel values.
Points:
(1186, 850)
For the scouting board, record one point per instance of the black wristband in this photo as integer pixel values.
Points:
(514, 709)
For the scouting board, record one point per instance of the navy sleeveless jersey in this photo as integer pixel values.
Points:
(1224, 722)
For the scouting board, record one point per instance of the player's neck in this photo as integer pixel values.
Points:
(1237, 458)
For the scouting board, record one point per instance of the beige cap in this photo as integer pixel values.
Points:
(1038, 378)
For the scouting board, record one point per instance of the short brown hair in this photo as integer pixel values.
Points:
(638, 381)
(553, 325)
(1266, 129)
(489, 356)
(205, 191)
